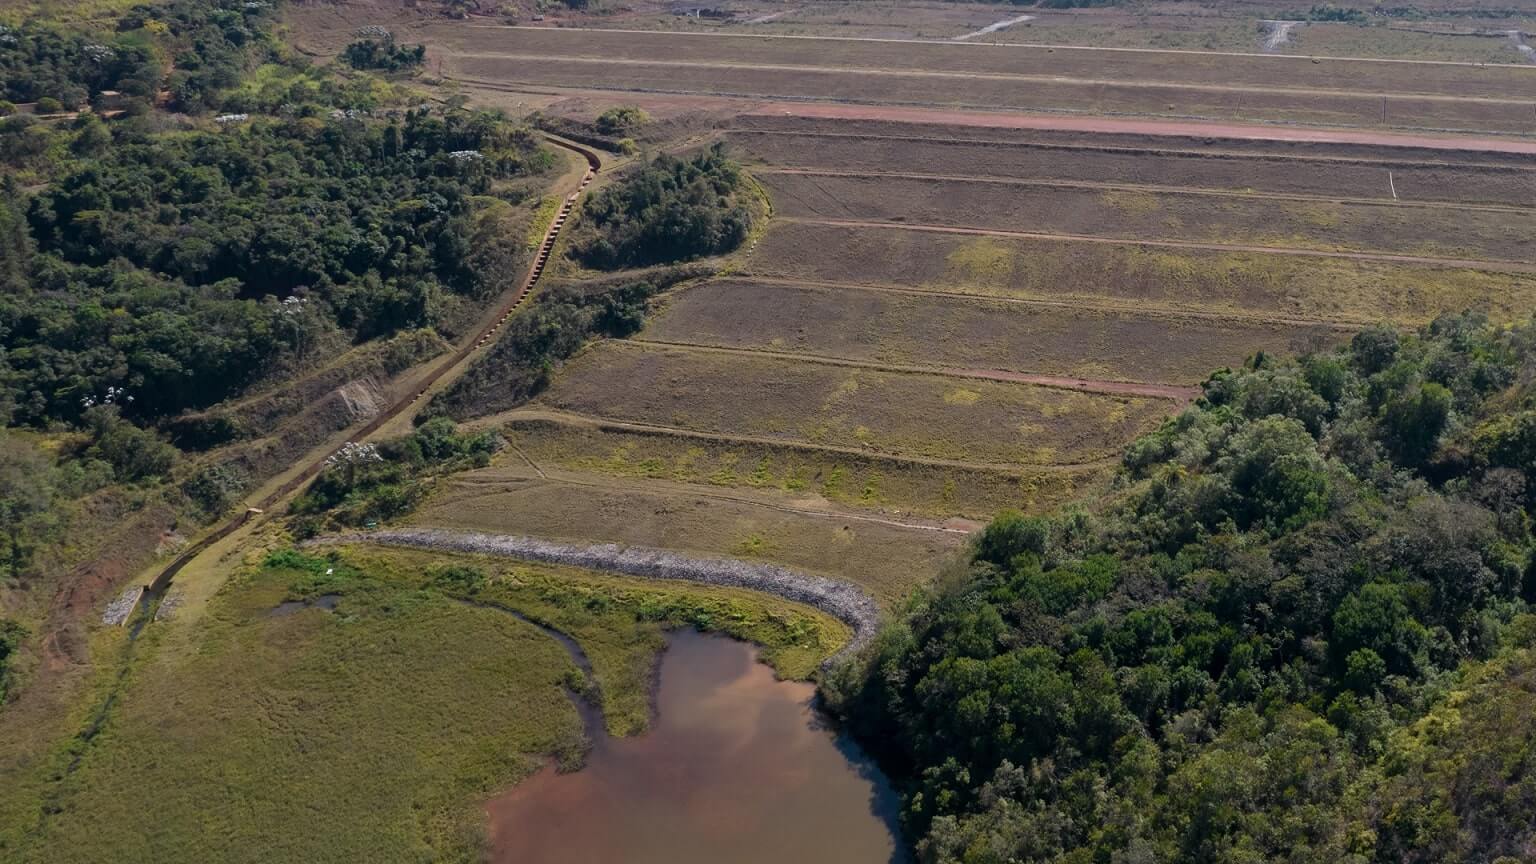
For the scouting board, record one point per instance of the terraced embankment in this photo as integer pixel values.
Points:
(1340, 92)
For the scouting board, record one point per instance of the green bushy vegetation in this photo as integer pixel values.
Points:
(11, 634)
(179, 266)
(1300, 632)
(622, 120)
(669, 210)
(384, 54)
(155, 263)
(366, 483)
(552, 329)
(192, 49)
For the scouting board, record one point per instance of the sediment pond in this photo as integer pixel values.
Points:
(737, 767)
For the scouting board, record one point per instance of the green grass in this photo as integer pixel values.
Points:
(846, 479)
(370, 733)
(619, 622)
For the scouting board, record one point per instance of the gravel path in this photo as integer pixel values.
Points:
(841, 600)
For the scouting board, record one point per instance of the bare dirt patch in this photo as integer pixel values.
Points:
(933, 416)
(938, 330)
(1237, 284)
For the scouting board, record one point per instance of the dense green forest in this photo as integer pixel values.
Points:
(159, 257)
(668, 210)
(1300, 631)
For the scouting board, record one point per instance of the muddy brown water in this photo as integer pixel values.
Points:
(737, 767)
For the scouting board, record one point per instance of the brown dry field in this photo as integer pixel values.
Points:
(1164, 26)
(1376, 146)
(1432, 230)
(958, 91)
(897, 414)
(897, 327)
(851, 149)
(1264, 72)
(1231, 283)
(505, 498)
(806, 477)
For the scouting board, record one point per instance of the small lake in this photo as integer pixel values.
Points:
(737, 767)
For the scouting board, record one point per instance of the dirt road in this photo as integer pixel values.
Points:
(1166, 128)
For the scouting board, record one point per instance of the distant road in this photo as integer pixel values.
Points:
(1127, 126)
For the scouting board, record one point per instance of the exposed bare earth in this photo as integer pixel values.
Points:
(1457, 80)
(1438, 96)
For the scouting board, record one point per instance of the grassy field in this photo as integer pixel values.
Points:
(945, 330)
(1236, 283)
(1397, 228)
(373, 731)
(619, 621)
(896, 414)
(856, 147)
(805, 477)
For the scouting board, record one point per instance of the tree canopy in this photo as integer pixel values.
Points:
(1246, 656)
(669, 210)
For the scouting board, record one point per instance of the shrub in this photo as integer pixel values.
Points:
(621, 120)
(384, 54)
(670, 210)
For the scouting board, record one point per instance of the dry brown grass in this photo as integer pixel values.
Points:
(916, 415)
(1429, 230)
(1235, 283)
(805, 477)
(858, 147)
(887, 560)
(944, 330)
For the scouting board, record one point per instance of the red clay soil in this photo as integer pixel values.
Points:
(1177, 128)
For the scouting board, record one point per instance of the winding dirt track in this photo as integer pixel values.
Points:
(1163, 128)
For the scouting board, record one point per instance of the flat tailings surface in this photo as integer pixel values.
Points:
(855, 147)
(902, 414)
(1240, 284)
(953, 90)
(1500, 234)
(1445, 79)
(945, 330)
